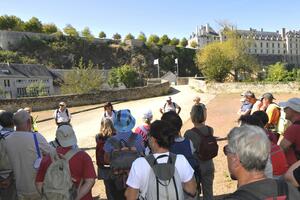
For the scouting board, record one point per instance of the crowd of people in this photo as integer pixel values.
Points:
(155, 160)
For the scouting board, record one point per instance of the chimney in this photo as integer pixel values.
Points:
(207, 28)
(261, 30)
(283, 32)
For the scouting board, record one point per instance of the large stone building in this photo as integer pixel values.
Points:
(269, 47)
(15, 78)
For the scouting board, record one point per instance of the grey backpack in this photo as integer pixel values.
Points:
(58, 182)
(164, 181)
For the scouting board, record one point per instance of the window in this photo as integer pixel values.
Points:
(261, 51)
(21, 92)
(283, 51)
(278, 45)
(273, 45)
(273, 51)
(267, 44)
(255, 45)
(291, 51)
(6, 83)
(296, 51)
(278, 51)
(296, 45)
(284, 45)
(267, 51)
(255, 51)
(261, 45)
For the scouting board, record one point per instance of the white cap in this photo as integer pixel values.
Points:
(293, 103)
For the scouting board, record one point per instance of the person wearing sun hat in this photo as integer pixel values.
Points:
(123, 123)
(291, 141)
(81, 166)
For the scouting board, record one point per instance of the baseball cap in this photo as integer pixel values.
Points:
(147, 115)
(66, 136)
(293, 103)
(62, 103)
(268, 96)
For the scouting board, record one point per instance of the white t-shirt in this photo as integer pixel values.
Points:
(140, 171)
(62, 116)
(170, 107)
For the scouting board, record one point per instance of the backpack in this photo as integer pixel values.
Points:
(58, 182)
(4, 161)
(282, 193)
(208, 147)
(297, 152)
(100, 141)
(279, 162)
(121, 159)
(164, 181)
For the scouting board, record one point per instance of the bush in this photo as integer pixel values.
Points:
(124, 74)
(277, 72)
(36, 89)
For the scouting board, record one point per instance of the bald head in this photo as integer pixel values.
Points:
(22, 120)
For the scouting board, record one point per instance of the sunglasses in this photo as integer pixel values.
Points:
(61, 105)
(226, 150)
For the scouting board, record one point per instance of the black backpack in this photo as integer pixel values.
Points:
(282, 193)
(208, 147)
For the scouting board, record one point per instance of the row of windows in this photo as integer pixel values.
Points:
(31, 81)
(273, 51)
(21, 92)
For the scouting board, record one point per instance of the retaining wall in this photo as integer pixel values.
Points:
(215, 88)
(51, 102)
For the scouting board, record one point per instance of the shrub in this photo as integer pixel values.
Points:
(125, 74)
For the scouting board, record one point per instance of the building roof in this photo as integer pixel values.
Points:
(24, 70)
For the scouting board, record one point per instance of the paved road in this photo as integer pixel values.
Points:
(87, 124)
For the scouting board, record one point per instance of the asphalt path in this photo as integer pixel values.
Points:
(86, 124)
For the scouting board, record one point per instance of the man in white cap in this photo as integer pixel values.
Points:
(62, 114)
(81, 165)
(170, 106)
(291, 141)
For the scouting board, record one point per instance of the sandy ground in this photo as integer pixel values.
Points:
(221, 116)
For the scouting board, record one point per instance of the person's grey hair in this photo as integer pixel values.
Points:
(21, 117)
(252, 146)
(197, 113)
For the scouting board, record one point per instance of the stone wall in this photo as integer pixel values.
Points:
(209, 87)
(44, 103)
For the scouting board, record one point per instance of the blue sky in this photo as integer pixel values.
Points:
(176, 18)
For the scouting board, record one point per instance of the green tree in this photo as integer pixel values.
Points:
(82, 79)
(70, 31)
(102, 35)
(11, 23)
(164, 40)
(142, 37)
(174, 42)
(230, 58)
(87, 34)
(117, 36)
(277, 72)
(49, 28)
(153, 39)
(124, 74)
(36, 89)
(194, 44)
(183, 42)
(33, 25)
(129, 36)
(213, 62)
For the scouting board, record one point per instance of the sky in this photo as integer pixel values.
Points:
(176, 18)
